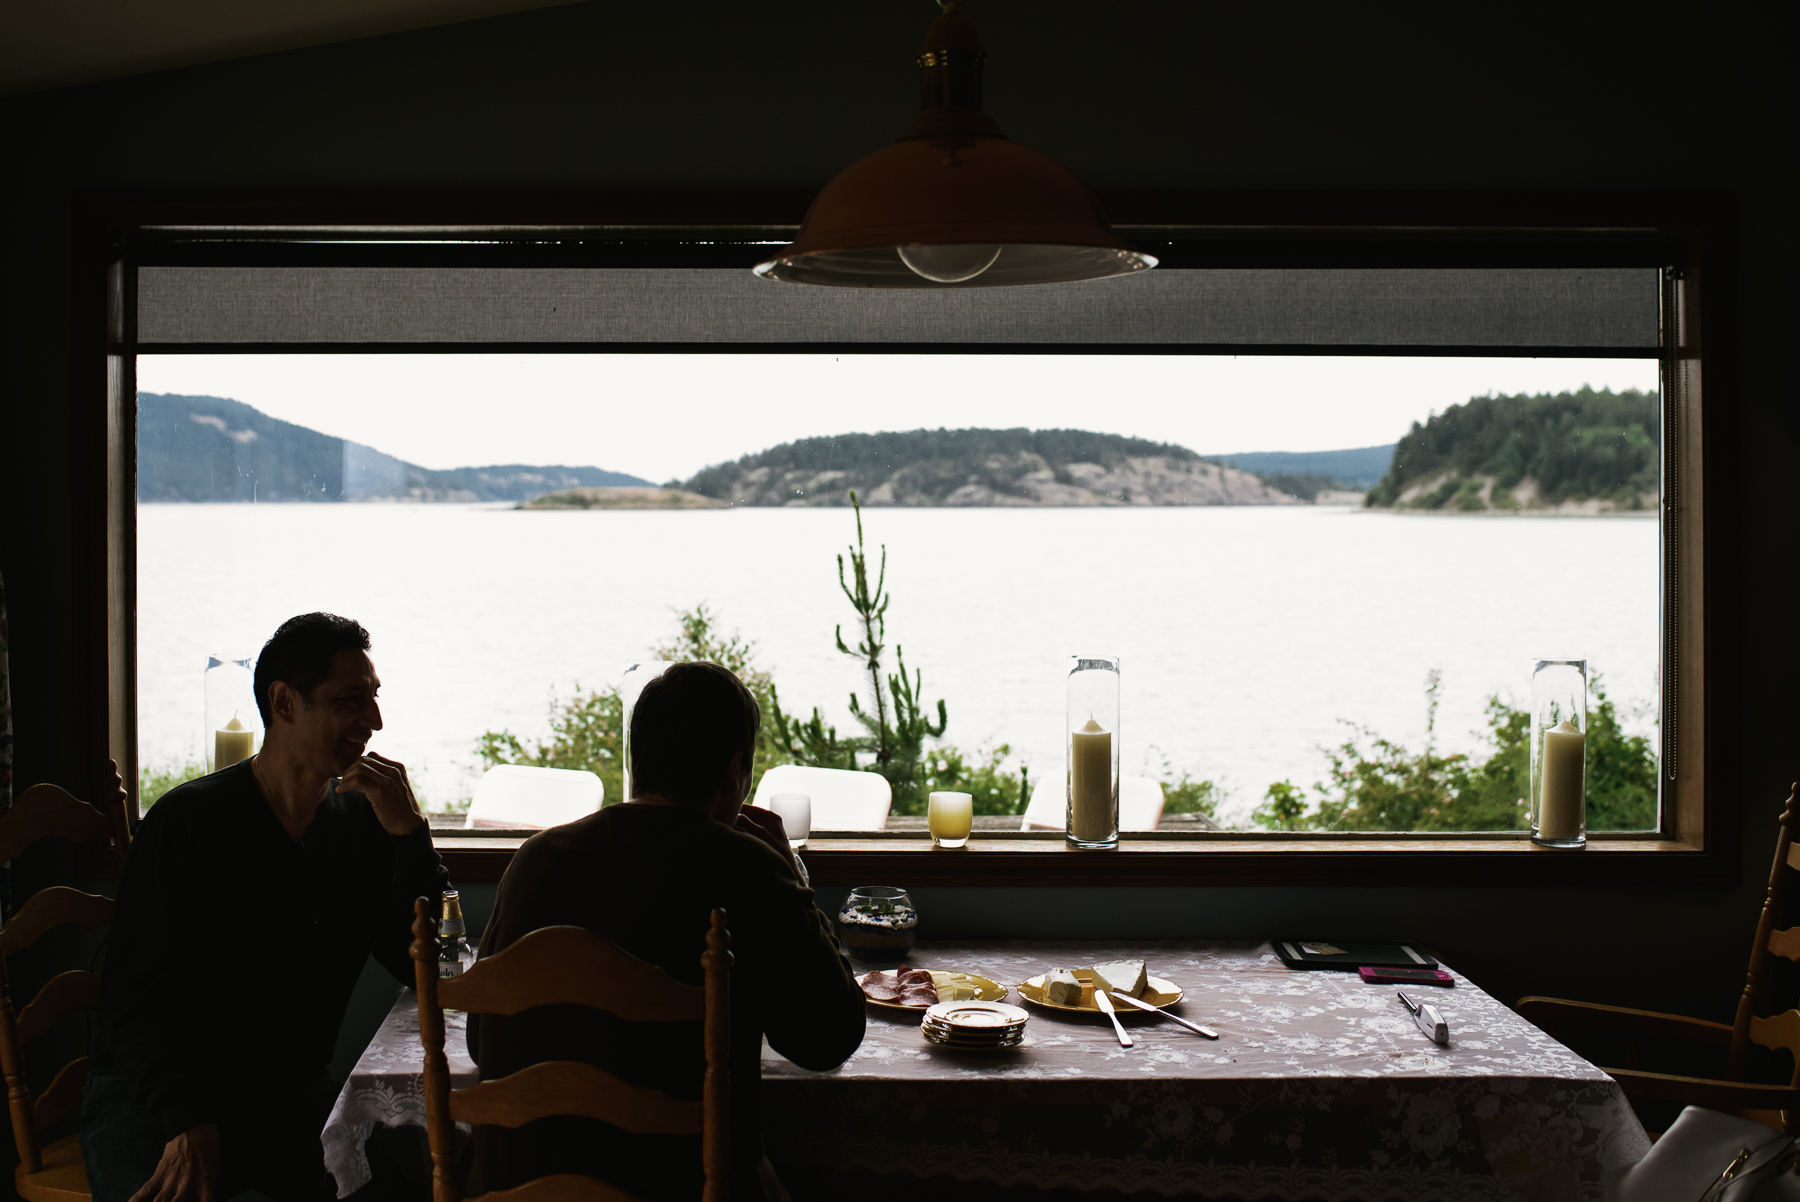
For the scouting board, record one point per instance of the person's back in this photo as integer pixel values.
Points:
(647, 875)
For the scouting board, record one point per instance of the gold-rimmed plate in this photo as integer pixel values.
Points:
(986, 990)
(1157, 992)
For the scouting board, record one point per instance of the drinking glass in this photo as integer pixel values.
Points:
(950, 816)
(795, 812)
(878, 922)
(1559, 722)
(1092, 743)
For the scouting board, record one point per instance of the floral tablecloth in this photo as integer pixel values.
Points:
(1321, 1087)
(387, 1086)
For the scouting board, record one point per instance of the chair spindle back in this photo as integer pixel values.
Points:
(569, 965)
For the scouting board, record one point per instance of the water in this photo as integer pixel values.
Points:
(1245, 633)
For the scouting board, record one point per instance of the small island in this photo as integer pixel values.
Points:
(621, 497)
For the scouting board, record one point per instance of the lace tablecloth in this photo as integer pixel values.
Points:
(387, 1086)
(1321, 1088)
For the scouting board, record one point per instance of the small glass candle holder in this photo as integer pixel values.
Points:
(795, 812)
(631, 687)
(1559, 722)
(1092, 743)
(233, 723)
(951, 816)
(878, 922)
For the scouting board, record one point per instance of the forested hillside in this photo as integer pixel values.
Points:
(205, 448)
(1596, 451)
(981, 467)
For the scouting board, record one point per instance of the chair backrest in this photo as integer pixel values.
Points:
(1782, 1030)
(569, 965)
(45, 812)
(1140, 804)
(841, 800)
(517, 797)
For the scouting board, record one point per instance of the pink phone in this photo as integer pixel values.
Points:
(1405, 976)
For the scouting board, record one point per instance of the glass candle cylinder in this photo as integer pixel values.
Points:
(631, 686)
(233, 724)
(951, 816)
(1559, 722)
(1092, 743)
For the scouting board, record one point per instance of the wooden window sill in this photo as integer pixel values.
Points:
(1044, 859)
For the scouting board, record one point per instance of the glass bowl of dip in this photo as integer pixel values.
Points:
(878, 922)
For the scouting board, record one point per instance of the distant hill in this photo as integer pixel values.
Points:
(205, 448)
(981, 468)
(1357, 468)
(1582, 451)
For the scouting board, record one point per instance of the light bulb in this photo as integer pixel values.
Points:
(952, 263)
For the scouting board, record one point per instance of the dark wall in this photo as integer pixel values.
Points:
(1161, 93)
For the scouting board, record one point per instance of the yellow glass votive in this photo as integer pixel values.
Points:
(951, 816)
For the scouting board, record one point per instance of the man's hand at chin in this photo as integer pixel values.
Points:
(766, 825)
(188, 1170)
(383, 782)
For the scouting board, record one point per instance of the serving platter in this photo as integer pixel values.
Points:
(1157, 992)
(986, 990)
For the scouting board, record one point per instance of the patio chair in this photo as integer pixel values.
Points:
(52, 1172)
(841, 800)
(1776, 1105)
(1140, 804)
(516, 797)
(572, 966)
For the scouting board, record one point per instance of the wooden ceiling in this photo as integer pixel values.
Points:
(54, 43)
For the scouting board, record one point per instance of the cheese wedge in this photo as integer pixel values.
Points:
(1062, 989)
(1121, 976)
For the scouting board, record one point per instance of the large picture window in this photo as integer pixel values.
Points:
(1326, 496)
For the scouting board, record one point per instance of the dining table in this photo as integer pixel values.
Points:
(1319, 1086)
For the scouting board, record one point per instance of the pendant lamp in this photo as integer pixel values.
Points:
(953, 203)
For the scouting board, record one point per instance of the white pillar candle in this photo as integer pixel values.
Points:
(1560, 804)
(951, 816)
(235, 742)
(1090, 783)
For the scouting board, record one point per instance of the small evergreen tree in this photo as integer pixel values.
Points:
(896, 727)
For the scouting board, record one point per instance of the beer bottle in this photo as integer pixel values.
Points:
(453, 943)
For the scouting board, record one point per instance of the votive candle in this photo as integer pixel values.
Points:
(951, 817)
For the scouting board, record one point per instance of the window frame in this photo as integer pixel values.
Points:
(1690, 235)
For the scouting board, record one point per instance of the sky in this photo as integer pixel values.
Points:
(664, 417)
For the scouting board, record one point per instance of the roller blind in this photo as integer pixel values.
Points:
(1598, 308)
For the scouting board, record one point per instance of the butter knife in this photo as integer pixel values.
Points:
(1106, 1007)
(1196, 1028)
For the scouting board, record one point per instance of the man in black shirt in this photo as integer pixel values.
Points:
(248, 904)
(646, 875)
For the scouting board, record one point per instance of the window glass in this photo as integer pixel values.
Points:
(1316, 630)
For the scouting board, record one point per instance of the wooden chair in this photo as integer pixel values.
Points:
(1777, 1105)
(52, 1173)
(569, 965)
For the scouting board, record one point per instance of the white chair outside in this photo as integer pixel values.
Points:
(1140, 805)
(841, 800)
(514, 797)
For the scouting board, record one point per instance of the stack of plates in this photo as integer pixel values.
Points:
(974, 1026)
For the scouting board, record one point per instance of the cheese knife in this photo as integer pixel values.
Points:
(1106, 1007)
(1196, 1028)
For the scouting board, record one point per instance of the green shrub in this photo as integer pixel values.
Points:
(153, 782)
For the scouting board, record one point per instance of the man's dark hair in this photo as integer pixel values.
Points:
(300, 652)
(686, 726)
